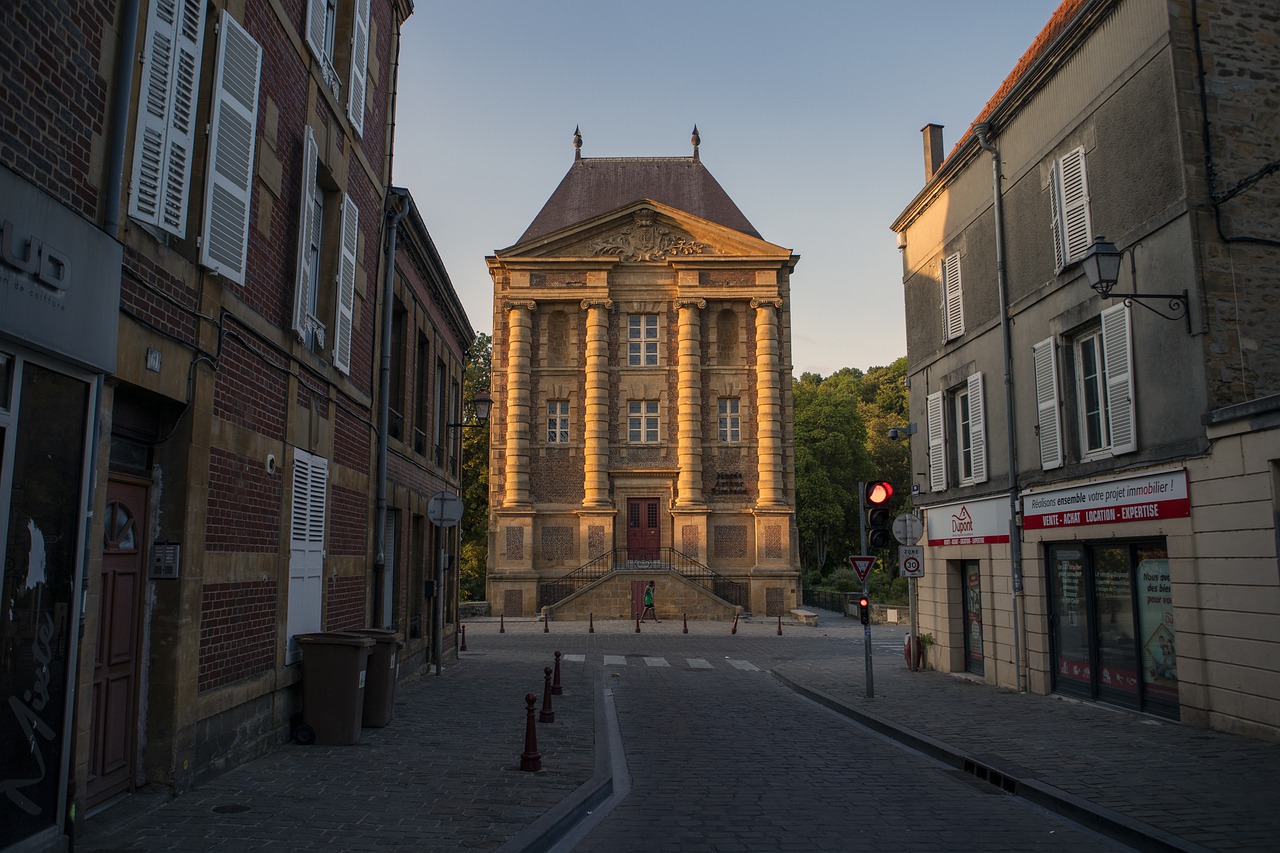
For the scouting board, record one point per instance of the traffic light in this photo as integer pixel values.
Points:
(864, 610)
(879, 521)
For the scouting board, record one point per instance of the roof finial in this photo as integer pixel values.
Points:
(697, 140)
(577, 143)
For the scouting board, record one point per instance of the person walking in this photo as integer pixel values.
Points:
(648, 604)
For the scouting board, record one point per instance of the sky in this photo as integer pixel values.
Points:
(809, 112)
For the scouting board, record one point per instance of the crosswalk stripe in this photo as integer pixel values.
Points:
(615, 660)
(744, 665)
(656, 662)
(575, 658)
(699, 663)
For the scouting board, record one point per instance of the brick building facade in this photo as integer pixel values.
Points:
(642, 373)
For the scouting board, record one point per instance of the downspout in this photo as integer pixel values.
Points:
(384, 403)
(119, 117)
(982, 131)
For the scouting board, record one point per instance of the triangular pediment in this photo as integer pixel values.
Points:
(644, 232)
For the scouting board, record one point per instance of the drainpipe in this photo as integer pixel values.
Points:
(125, 56)
(384, 403)
(983, 131)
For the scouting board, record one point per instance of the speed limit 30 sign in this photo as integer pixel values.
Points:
(911, 561)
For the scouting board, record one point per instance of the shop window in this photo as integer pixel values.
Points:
(642, 421)
(957, 435)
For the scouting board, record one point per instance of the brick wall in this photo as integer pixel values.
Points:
(161, 299)
(243, 505)
(348, 522)
(344, 608)
(237, 631)
(250, 388)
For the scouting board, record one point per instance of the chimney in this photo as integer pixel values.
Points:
(933, 154)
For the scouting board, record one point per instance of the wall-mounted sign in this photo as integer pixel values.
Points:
(1144, 498)
(980, 522)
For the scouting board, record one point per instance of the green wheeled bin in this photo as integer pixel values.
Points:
(334, 671)
(384, 669)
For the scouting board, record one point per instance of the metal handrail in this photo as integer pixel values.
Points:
(668, 559)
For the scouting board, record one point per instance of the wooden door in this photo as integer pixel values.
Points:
(113, 751)
(642, 529)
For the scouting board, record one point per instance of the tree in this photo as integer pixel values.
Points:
(830, 443)
(474, 556)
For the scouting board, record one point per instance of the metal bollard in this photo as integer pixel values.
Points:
(591, 623)
(502, 625)
(734, 630)
(463, 629)
(686, 624)
(530, 759)
(637, 624)
(548, 714)
(556, 689)
(779, 624)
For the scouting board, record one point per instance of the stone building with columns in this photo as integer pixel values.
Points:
(642, 376)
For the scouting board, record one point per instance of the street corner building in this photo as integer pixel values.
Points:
(1092, 287)
(642, 429)
(197, 258)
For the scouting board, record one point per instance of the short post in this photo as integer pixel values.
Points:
(686, 624)
(463, 630)
(530, 759)
(779, 624)
(734, 629)
(637, 624)
(502, 625)
(556, 689)
(546, 621)
(591, 623)
(548, 714)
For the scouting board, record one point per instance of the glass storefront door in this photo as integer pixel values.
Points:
(971, 577)
(1112, 624)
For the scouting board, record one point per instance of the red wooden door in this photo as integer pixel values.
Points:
(642, 529)
(113, 749)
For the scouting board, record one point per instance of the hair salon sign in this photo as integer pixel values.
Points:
(1145, 498)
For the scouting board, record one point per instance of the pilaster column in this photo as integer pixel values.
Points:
(519, 353)
(689, 447)
(595, 422)
(769, 401)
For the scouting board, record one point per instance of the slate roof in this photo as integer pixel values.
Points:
(597, 185)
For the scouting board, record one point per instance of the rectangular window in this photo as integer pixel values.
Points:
(332, 26)
(730, 421)
(642, 340)
(421, 396)
(642, 421)
(1091, 384)
(1103, 386)
(964, 439)
(1069, 199)
(558, 421)
(957, 419)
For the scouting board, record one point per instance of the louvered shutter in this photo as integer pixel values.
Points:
(954, 296)
(228, 193)
(1118, 355)
(1076, 227)
(316, 10)
(937, 444)
(346, 284)
(306, 225)
(166, 116)
(306, 553)
(977, 429)
(1055, 210)
(1044, 356)
(359, 66)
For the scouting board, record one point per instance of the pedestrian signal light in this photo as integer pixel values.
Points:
(879, 520)
(864, 610)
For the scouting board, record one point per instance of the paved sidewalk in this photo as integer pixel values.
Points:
(444, 774)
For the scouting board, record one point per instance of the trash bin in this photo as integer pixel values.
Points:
(380, 686)
(334, 667)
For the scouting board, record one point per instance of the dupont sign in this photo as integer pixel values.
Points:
(980, 522)
(1145, 498)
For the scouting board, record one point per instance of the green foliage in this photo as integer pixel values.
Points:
(474, 556)
(844, 580)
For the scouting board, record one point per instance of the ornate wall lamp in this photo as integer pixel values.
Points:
(1101, 265)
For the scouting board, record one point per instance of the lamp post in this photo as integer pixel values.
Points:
(1101, 266)
(481, 405)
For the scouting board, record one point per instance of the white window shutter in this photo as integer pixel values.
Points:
(1118, 354)
(315, 28)
(1077, 229)
(937, 444)
(1055, 209)
(346, 284)
(165, 134)
(228, 193)
(306, 225)
(977, 429)
(954, 296)
(306, 553)
(359, 66)
(1044, 356)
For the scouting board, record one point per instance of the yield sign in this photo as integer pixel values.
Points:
(862, 565)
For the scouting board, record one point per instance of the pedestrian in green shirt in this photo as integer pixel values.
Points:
(648, 604)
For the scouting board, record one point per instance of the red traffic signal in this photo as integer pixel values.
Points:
(864, 610)
(879, 492)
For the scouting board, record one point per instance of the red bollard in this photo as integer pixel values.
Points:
(556, 689)
(591, 623)
(502, 625)
(548, 714)
(779, 624)
(686, 624)
(637, 624)
(463, 628)
(530, 759)
(734, 630)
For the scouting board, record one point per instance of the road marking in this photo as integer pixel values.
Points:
(575, 658)
(699, 663)
(615, 660)
(744, 665)
(656, 662)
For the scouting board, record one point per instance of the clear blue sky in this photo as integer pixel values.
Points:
(810, 114)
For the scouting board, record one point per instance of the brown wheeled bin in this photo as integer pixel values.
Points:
(334, 669)
(384, 669)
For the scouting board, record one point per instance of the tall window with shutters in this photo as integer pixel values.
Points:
(952, 296)
(957, 435)
(306, 549)
(337, 33)
(1069, 199)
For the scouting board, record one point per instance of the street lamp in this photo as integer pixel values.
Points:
(1101, 266)
(481, 404)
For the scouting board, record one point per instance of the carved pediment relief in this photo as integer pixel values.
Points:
(647, 239)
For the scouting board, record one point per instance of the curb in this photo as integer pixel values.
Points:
(1126, 830)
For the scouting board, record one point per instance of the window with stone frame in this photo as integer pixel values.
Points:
(558, 422)
(642, 340)
(730, 420)
(642, 421)
(337, 32)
